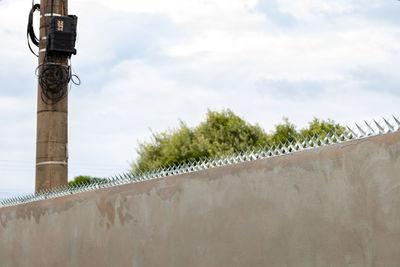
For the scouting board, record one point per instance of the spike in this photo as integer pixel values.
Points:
(292, 145)
(284, 149)
(252, 156)
(225, 158)
(381, 129)
(306, 141)
(391, 127)
(298, 144)
(352, 132)
(361, 131)
(262, 151)
(398, 123)
(370, 128)
(240, 156)
(329, 137)
(322, 143)
(232, 158)
(279, 151)
(312, 142)
(344, 136)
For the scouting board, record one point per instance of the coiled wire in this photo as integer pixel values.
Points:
(54, 79)
(30, 33)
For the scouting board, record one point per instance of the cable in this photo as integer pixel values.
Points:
(30, 33)
(52, 7)
(63, 11)
(53, 80)
(74, 76)
(53, 77)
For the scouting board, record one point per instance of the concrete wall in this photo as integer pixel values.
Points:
(331, 206)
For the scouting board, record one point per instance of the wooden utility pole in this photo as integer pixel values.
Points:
(52, 117)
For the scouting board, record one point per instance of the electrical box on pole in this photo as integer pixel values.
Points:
(62, 36)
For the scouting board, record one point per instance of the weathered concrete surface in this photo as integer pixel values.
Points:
(331, 206)
(52, 118)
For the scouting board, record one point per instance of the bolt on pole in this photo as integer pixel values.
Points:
(52, 117)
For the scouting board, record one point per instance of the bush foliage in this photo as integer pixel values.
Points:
(221, 132)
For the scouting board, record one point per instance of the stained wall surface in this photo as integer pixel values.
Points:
(332, 206)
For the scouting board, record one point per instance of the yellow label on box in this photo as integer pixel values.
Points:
(60, 25)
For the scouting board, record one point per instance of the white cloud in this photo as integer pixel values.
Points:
(314, 9)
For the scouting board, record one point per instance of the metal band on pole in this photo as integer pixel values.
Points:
(52, 163)
(50, 15)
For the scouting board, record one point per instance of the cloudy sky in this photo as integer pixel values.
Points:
(145, 65)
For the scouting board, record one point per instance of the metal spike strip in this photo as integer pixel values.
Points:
(300, 143)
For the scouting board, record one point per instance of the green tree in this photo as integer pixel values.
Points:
(82, 179)
(283, 132)
(321, 127)
(221, 133)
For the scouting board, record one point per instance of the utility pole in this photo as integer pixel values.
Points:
(52, 116)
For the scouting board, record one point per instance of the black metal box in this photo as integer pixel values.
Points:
(62, 35)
